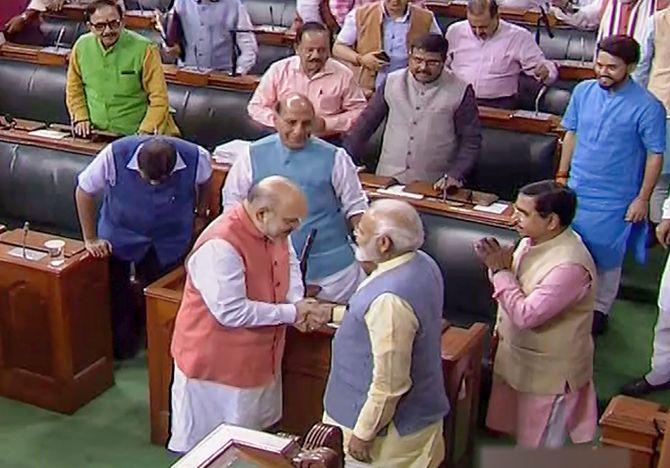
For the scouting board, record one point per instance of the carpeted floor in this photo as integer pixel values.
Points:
(113, 430)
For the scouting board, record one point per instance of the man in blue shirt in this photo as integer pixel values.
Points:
(612, 157)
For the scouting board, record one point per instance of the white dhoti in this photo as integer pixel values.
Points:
(199, 406)
(660, 359)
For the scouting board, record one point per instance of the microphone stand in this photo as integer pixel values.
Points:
(304, 255)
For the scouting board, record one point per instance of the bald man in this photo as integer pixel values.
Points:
(386, 388)
(327, 176)
(243, 288)
(151, 187)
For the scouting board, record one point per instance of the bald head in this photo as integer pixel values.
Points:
(156, 160)
(389, 228)
(294, 119)
(276, 205)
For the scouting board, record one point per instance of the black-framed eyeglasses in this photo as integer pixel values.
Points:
(100, 27)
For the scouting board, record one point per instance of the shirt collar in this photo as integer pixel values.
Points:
(389, 265)
(403, 19)
(133, 165)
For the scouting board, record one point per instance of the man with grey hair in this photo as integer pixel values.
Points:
(386, 389)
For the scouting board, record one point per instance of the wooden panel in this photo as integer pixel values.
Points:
(305, 373)
(163, 298)
(55, 334)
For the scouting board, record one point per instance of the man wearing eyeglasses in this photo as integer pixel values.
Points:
(432, 129)
(115, 80)
(151, 187)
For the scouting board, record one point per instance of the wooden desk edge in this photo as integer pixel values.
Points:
(476, 332)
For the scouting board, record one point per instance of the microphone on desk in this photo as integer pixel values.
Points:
(304, 254)
(543, 19)
(582, 46)
(540, 95)
(60, 38)
(233, 52)
(272, 19)
(26, 227)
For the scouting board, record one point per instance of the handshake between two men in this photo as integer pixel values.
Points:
(312, 314)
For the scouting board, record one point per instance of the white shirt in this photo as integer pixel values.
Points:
(101, 171)
(217, 271)
(344, 179)
(309, 10)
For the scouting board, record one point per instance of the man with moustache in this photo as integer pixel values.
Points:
(612, 156)
(329, 179)
(329, 85)
(386, 386)
(243, 287)
(115, 79)
(543, 367)
(432, 128)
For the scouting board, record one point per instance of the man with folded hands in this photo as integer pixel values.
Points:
(432, 126)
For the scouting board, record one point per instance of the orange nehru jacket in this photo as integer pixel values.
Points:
(239, 357)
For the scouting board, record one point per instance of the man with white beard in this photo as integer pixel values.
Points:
(386, 387)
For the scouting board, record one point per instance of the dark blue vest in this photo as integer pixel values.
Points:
(419, 282)
(136, 215)
(311, 168)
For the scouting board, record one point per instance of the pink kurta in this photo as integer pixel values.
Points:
(527, 415)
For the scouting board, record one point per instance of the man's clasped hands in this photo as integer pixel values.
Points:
(312, 314)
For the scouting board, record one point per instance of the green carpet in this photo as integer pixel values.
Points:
(113, 430)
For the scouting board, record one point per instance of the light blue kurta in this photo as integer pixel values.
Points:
(615, 133)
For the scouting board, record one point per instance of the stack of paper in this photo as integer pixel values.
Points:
(228, 152)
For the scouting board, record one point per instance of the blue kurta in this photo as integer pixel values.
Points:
(615, 132)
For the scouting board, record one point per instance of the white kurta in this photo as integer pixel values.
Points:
(339, 286)
(217, 271)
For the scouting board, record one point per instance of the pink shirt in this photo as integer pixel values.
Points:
(493, 65)
(527, 415)
(333, 91)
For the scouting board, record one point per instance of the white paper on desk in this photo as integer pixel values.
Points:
(2, 38)
(531, 115)
(228, 152)
(52, 134)
(497, 208)
(399, 191)
(33, 255)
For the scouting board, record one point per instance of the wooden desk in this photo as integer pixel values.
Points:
(55, 329)
(458, 9)
(514, 120)
(636, 425)
(305, 371)
(574, 70)
(427, 204)
(134, 19)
